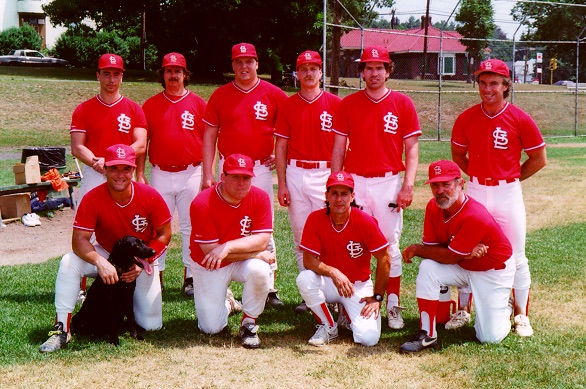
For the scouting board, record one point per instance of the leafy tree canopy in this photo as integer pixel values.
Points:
(476, 18)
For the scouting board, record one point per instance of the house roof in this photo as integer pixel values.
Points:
(404, 41)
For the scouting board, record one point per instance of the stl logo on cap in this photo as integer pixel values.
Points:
(374, 53)
(113, 60)
(243, 49)
(437, 170)
(121, 153)
(308, 55)
(173, 58)
(241, 162)
(340, 177)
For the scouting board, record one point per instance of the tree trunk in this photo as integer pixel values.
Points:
(335, 56)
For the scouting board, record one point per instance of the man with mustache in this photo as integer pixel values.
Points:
(175, 140)
(463, 245)
(240, 118)
(303, 151)
(373, 128)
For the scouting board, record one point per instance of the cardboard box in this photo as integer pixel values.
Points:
(15, 205)
(28, 172)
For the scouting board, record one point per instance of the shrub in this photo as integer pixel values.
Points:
(24, 37)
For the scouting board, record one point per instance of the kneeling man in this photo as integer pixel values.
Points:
(338, 243)
(231, 227)
(462, 245)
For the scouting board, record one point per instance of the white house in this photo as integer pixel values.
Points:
(13, 13)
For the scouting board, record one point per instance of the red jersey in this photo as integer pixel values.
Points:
(376, 130)
(216, 221)
(470, 225)
(308, 126)
(494, 143)
(110, 221)
(175, 128)
(107, 124)
(246, 119)
(349, 249)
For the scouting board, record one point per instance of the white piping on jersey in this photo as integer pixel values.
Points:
(379, 100)
(131, 196)
(109, 105)
(316, 253)
(380, 248)
(310, 101)
(175, 101)
(458, 211)
(343, 227)
(217, 188)
(496, 114)
(247, 90)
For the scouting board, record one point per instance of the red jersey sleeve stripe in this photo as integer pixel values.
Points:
(338, 132)
(418, 132)
(262, 231)
(83, 228)
(302, 247)
(380, 248)
(211, 124)
(458, 144)
(536, 147)
(458, 252)
(206, 241)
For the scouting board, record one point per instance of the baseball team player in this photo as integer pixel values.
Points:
(115, 209)
(487, 142)
(379, 124)
(240, 117)
(175, 130)
(338, 243)
(104, 120)
(463, 245)
(231, 227)
(303, 149)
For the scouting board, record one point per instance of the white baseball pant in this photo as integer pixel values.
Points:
(178, 189)
(148, 301)
(263, 179)
(210, 287)
(491, 290)
(316, 290)
(90, 180)
(307, 191)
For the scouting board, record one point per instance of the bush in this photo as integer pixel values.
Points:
(24, 37)
(82, 46)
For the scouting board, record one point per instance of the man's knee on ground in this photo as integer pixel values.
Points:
(367, 338)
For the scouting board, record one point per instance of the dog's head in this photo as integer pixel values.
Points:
(129, 251)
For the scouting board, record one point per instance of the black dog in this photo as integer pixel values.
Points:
(103, 311)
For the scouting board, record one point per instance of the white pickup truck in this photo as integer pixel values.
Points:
(30, 58)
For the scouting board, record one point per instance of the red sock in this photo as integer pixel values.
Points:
(427, 314)
(247, 318)
(393, 287)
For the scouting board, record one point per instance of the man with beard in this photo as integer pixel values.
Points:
(462, 245)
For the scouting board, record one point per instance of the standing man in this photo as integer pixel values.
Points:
(113, 210)
(303, 151)
(378, 124)
(487, 141)
(240, 117)
(104, 120)
(175, 132)
(338, 243)
(462, 245)
(232, 225)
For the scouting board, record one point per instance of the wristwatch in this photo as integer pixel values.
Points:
(378, 297)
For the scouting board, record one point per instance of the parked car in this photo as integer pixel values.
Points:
(30, 58)
(565, 83)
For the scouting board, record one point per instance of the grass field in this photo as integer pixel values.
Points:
(180, 356)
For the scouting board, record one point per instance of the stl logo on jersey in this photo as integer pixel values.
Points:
(391, 123)
(501, 139)
(326, 121)
(261, 111)
(187, 120)
(245, 223)
(355, 250)
(124, 123)
(140, 223)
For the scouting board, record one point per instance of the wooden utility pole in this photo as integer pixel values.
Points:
(426, 22)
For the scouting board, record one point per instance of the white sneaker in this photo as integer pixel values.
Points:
(28, 221)
(457, 320)
(343, 321)
(522, 326)
(35, 218)
(394, 318)
(324, 335)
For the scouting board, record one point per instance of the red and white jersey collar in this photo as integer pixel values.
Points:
(109, 105)
(246, 90)
(316, 98)
(379, 100)
(496, 114)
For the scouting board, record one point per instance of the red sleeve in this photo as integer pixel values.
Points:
(212, 115)
(310, 239)
(262, 220)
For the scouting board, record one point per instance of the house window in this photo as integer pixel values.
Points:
(449, 64)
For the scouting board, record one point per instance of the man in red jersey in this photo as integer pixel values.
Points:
(175, 130)
(462, 246)
(104, 120)
(338, 243)
(487, 142)
(112, 210)
(240, 118)
(378, 125)
(303, 150)
(231, 227)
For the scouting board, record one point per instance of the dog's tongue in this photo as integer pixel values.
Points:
(146, 266)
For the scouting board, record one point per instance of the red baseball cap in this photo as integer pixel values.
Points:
(375, 54)
(111, 61)
(493, 66)
(239, 164)
(120, 155)
(443, 170)
(308, 56)
(174, 59)
(340, 178)
(243, 50)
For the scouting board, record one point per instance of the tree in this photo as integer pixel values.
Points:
(499, 49)
(476, 18)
